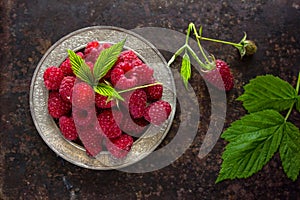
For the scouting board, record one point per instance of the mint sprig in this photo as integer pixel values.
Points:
(103, 64)
(256, 137)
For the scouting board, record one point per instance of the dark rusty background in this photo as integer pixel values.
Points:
(30, 170)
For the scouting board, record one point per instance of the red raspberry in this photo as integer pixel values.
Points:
(66, 87)
(91, 45)
(66, 66)
(157, 112)
(143, 73)
(67, 128)
(101, 101)
(154, 92)
(93, 53)
(83, 95)
(136, 103)
(134, 127)
(57, 107)
(109, 122)
(120, 81)
(129, 56)
(125, 66)
(53, 77)
(84, 118)
(91, 140)
(119, 147)
(225, 81)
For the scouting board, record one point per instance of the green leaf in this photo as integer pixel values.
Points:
(290, 151)
(253, 141)
(107, 59)
(108, 91)
(185, 70)
(268, 92)
(80, 68)
(298, 104)
(177, 53)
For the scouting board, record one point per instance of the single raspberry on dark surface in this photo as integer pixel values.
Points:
(66, 66)
(220, 77)
(134, 127)
(136, 102)
(120, 146)
(53, 77)
(101, 101)
(143, 73)
(91, 140)
(154, 92)
(109, 121)
(158, 112)
(66, 87)
(83, 95)
(67, 127)
(57, 107)
(120, 81)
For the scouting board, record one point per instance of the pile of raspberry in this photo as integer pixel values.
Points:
(96, 122)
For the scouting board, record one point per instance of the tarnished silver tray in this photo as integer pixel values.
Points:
(47, 127)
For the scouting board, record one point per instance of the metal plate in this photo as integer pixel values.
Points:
(47, 127)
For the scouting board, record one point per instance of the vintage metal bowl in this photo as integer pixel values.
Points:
(48, 129)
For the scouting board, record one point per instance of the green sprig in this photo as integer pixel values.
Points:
(103, 64)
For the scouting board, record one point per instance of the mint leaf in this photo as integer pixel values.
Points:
(185, 70)
(80, 68)
(290, 151)
(268, 92)
(253, 141)
(107, 59)
(108, 91)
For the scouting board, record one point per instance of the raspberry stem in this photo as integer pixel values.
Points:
(298, 84)
(139, 87)
(297, 91)
(219, 41)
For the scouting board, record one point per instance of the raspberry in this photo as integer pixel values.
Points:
(119, 147)
(157, 112)
(83, 95)
(53, 77)
(91, 140)
(92, 53)
(109, 121)
(120, 81)
(154, 92)
(136, 102)
(101, 101)
(143, 73)
(67, 128)
(91, 45)
(223, 82)
(84, 118)
(134, 127)
(66, 86)
(125, 66)
(57, 107)
(66, 66)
